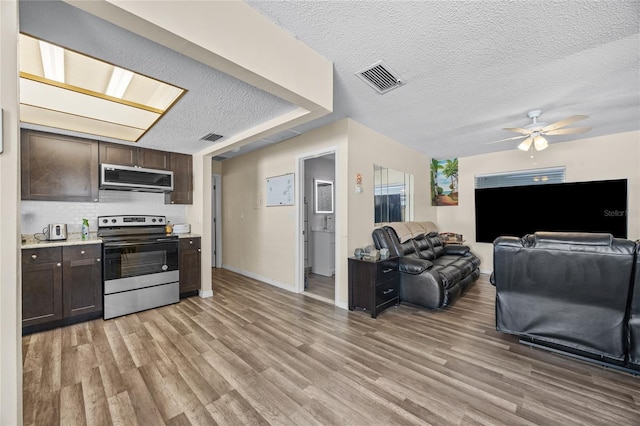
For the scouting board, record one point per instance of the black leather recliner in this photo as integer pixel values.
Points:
(571, 292)
(432, 274)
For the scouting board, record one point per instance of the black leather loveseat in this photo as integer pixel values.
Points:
(571, 292)
(432, 274)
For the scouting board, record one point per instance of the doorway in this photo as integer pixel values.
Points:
(318, 248)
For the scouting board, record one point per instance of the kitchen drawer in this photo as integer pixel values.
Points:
(386, 291)
(38, 256)
(187, 243)
(89, 251)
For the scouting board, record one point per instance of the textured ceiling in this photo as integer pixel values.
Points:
(471, 68)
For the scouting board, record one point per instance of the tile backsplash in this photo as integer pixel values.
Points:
(35, 215)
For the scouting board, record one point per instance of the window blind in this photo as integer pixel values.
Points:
(521, 178)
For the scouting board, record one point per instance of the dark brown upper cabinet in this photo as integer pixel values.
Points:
(182, 167)
(58, 168)
(126, 155)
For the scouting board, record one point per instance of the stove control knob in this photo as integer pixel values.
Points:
(153, 220)
(104, 221)
(159, 219)
(113, 221)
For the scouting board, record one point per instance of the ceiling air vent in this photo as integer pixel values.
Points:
(211, 137)
(380, 77)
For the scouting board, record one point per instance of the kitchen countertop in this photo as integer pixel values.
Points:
(73, 239)
(187, 235)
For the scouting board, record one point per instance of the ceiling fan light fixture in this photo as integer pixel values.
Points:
(525, 145)
(540, 143)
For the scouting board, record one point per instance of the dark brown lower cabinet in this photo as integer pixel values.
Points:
(60, 284)
(41, 285)
(82, 279)
(190, 265)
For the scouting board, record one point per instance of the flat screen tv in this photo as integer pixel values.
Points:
(598, 206)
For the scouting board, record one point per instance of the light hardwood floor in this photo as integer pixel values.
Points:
(321, 286)
(254, 354)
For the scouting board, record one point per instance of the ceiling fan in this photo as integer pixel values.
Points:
(533, 133)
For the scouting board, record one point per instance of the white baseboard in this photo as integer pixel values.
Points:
(486, 271)
(205, 294)
(343, 305)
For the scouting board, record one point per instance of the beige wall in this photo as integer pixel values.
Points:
(606, 157)
(260, 241)
(366, 148)
(10, 306)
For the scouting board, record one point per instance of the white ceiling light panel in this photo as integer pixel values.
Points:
(68, 90)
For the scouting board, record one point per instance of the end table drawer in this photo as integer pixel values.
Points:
(386, 271)
(386, 291)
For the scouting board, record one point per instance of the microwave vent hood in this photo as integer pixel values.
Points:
(126, 178)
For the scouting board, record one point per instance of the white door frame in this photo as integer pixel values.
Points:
(299, 263)
(216, 216)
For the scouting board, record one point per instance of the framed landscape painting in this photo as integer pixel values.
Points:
(444, 182)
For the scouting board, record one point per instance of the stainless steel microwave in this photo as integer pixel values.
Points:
(126, 178)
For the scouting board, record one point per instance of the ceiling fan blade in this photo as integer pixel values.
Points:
(562, 123)
(518, 130)
(568, 131)
(508, 139)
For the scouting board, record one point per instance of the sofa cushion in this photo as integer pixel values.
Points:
(436, 243)
(423, 248)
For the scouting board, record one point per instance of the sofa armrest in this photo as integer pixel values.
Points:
(413, 266)
(510, 241)
(492, 278)
(456, 249)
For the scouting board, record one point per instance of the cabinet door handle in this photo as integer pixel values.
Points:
(33, 256)
(191, 242)
(198, 250)
(82, 252)
(387, 291)
(386, 271)
(58, 264)
(98, 260)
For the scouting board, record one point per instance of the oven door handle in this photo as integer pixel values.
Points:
(140, 243)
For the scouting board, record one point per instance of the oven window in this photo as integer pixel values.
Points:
(143, 259)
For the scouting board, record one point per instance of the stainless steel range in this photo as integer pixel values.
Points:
(140, 264)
